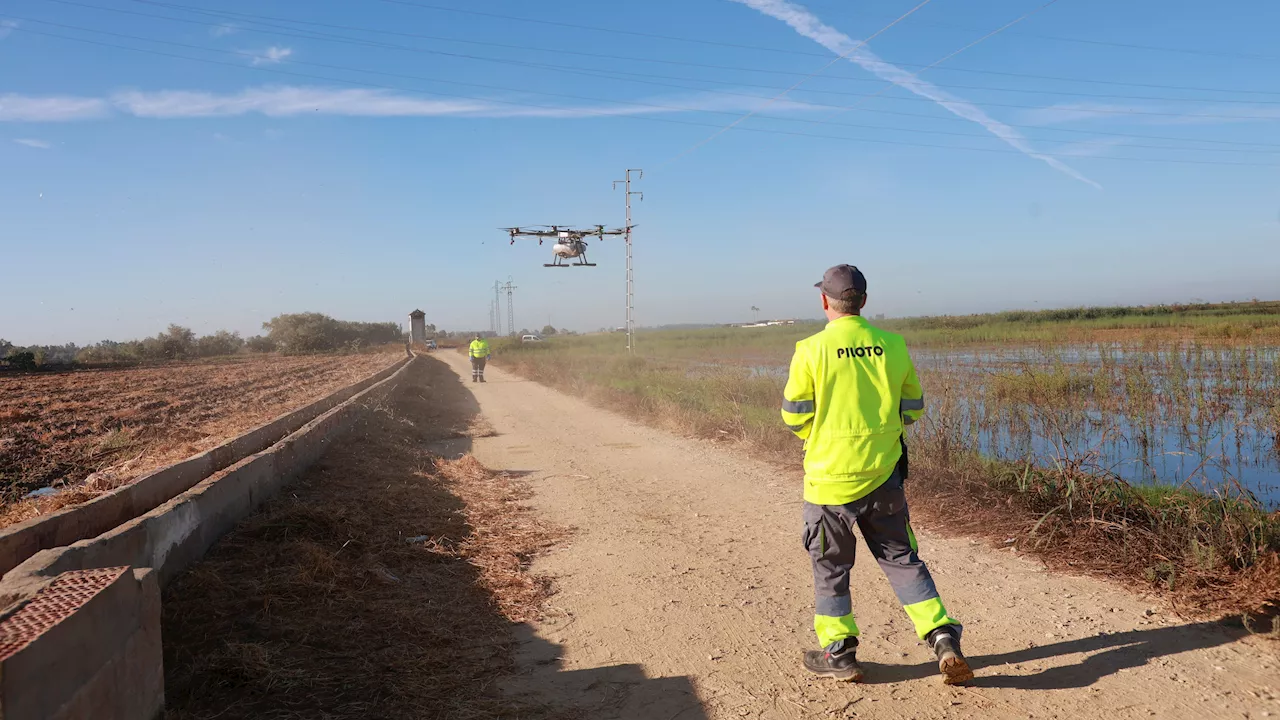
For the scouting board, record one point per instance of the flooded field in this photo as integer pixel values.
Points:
(1188, 414)
(1207, 416)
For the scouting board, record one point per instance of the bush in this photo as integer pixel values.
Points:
(110, 352)
(260, 344)
(219, 343)
(21, 360)
(302, 333)
(176, 342)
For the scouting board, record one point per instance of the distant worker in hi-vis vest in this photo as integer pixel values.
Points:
(851, 392)
(479, 352)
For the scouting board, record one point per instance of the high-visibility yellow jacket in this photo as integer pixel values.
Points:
(479, 348)
(851, 390)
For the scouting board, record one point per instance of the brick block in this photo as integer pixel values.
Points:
(130, 686)
(55, 643)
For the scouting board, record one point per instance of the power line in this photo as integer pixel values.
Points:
(593, 28)
(552, 107)
(248, 17)
(631, 284)
(857, 46)
(497, 308)
(700, 41)
(511, 313)
(639, 104)
(614, 74)
(993, 33)
(1127, 46)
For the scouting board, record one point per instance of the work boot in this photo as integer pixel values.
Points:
(945, 642)
(838, 660)
(481, 378)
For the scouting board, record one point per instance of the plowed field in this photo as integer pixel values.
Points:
(86, 432)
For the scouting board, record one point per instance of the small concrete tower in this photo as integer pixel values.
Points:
(417, 326)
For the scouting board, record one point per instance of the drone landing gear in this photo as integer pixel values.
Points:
(558, 263)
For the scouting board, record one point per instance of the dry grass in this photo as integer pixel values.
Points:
(90, 431)
(1209, 555)
(320, 606)
(1177, 544)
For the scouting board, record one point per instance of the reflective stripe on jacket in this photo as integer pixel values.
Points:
(479, 348)
(851, 390)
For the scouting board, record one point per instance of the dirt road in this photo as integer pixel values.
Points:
(685, 593)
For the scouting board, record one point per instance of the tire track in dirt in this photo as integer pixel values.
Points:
(687, 563)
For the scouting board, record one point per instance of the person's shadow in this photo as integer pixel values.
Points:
(1112, 653)
(613, 692)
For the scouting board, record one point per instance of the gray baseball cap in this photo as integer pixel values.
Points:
(842, 281)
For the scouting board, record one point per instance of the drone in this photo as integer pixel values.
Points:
(569, 242)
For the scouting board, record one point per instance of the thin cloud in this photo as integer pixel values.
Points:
(1091, 148)
(281, 101)
(271, 56)
(224, 30)
(33, 143)
(287, 101)
(810, 26)
(7, 27)
(22, 108)
(1067, 113)
(1150, 114)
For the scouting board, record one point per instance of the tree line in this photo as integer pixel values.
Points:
(289, 334)
(436, 334)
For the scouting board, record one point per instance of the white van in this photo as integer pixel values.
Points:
(530, 338)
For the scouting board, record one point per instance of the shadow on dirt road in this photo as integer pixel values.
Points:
(1107, 655)
(371, 588)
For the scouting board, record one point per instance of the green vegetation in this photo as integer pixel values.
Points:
(296, 334)
(304, 333)
(1019, 438)
(1229, 323)
(1225, 321)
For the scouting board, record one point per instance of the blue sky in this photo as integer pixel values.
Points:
(356, 158)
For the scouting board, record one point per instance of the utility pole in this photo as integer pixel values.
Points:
(511, 313)
(631, 284)
(497, 309)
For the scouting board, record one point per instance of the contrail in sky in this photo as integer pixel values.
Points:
(810, 26)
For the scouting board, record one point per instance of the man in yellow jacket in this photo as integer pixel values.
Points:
(851, 390)
(479, 352)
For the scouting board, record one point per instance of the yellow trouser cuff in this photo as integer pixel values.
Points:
(831, 629)
(928, 615)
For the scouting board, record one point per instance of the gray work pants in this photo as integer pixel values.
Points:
(477, 367)
(882, 518)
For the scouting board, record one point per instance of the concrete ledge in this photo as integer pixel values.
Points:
(68, 525)
(178, 532)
